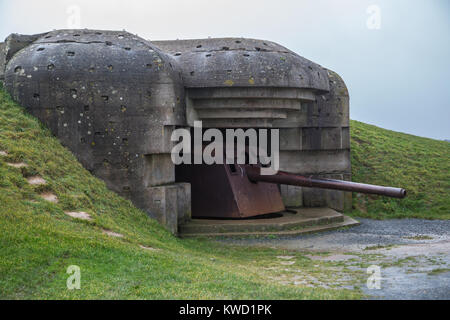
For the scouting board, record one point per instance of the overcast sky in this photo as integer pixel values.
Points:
(392, 54)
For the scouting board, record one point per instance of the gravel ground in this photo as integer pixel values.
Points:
(410, 250)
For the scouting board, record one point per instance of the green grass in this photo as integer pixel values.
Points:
(438, 271)
(419, 237)
(38, 241)
(379, 246)
(420, 165)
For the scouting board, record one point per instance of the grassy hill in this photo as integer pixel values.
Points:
(38, 240)
(420, 165)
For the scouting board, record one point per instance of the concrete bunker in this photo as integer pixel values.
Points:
(114, 100)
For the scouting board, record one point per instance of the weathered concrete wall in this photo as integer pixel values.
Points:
(2, 61)
(13, 44)
(316, 141)
(113, 99)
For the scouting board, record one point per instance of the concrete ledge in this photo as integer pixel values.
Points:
(304, 220)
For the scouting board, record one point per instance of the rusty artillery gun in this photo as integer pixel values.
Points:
(241, 191)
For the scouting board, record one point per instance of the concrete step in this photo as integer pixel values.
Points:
(346, 222)
(289, 220)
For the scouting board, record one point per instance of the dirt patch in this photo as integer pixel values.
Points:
(420, 249)
(112, 233)
(17, 165)
(49, 197)
(3, 153)
(36, 180)
(285, 257)
(79, 215)
(333, 257)
(287, 263)
(302, 280)
(148, 248)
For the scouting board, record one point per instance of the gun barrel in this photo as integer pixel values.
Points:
(281, 177)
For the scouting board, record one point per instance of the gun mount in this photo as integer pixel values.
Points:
(240, 191)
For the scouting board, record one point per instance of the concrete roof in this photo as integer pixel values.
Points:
(240, 62)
